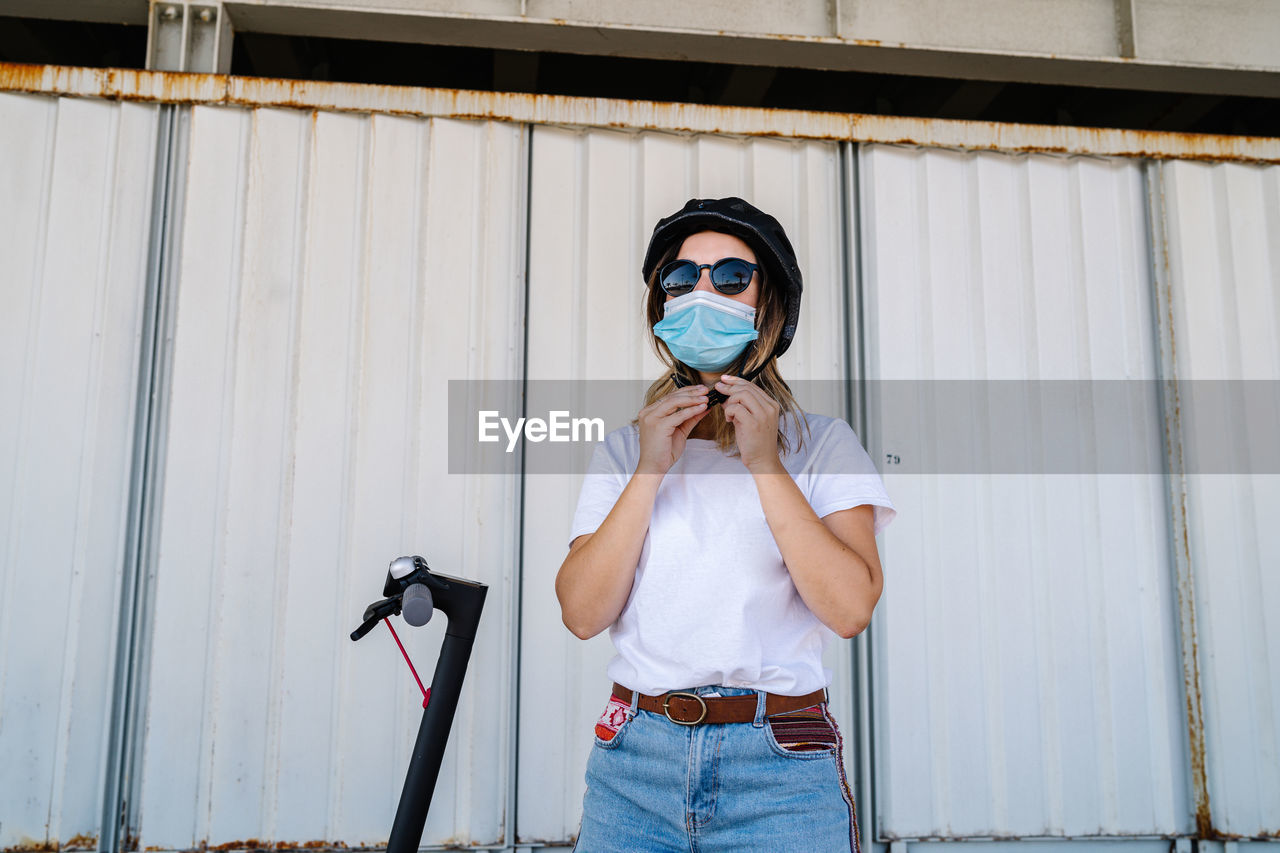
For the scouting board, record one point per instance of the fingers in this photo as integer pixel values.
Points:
(744, 395)
(676, 407)
(662, 421)
(743, 400)
(686, 397)
(754, 415)
(681, 416)
(676, 399)
(734, 390)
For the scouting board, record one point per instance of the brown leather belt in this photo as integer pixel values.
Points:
(690, 709)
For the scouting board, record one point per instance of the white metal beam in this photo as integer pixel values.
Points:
(124, 84)
(1226, 47)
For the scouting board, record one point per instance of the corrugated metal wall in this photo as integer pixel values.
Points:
(75, 209)
(335, 272)
(594, 200)
(331, 272)
(1222, 231)
(1027, 668)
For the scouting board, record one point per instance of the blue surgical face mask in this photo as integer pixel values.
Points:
(705, 330)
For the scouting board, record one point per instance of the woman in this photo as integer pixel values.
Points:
(723, 537)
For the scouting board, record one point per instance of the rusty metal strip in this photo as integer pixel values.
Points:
(1179, 541)
(182, 88)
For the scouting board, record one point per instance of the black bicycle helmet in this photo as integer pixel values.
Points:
(753, 226)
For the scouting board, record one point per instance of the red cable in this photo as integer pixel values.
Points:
(426, 694)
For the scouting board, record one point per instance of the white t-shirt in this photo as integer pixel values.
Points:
(712, 601)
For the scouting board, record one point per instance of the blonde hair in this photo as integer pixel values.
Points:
(771, 312)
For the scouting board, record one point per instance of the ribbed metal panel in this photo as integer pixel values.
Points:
(595, 198)
(1027, 676)
(336, 271)
(75, 202)
(1222, 227)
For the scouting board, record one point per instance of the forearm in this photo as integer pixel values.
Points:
(595, 579)
(838, 585)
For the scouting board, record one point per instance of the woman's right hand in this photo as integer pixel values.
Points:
(665, 425)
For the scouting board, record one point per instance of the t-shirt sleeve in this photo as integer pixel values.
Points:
(606, 477)
(842, 476)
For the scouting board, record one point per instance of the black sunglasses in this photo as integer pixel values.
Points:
(728, 275)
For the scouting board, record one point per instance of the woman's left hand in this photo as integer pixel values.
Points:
(754, 415)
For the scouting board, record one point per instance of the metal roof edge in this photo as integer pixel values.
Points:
(214, 89)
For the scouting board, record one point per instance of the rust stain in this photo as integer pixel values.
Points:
(1195, 708)
(247, 844)
(259, 844)
(562, 110)
(76, 842)
(30, 845)
(1185, 582)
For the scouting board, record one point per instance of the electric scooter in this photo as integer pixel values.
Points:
(414, 590)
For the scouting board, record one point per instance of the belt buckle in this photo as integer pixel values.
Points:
(666, 707)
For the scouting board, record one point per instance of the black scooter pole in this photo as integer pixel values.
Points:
(437, 719)
(462, 601)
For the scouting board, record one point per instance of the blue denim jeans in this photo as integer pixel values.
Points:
(659, 786)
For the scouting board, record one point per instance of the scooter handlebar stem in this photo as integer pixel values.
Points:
(462, 601)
